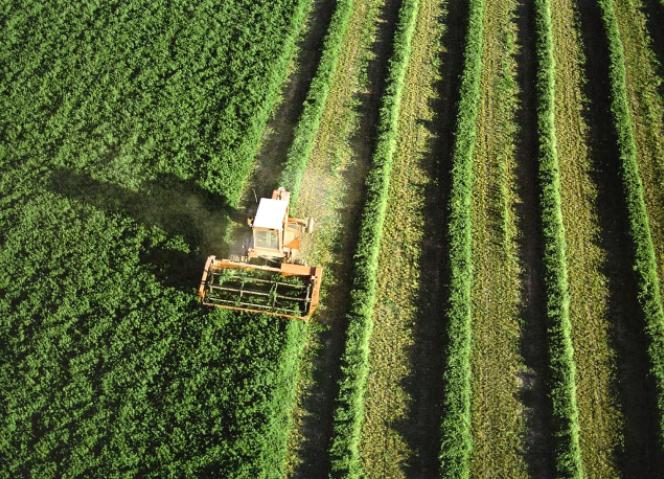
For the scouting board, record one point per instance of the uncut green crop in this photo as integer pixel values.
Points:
(130, 89)
(126, 127)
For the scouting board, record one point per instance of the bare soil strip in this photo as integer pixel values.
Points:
(400, 433)
(615, 398)
(499, 414)
(332, 192)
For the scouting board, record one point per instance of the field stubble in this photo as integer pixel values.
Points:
(614, 392)
(498, 413)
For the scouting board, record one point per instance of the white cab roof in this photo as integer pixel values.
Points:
(271, 214)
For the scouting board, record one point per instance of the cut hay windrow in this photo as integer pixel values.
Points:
(645, 262)
(314, 104)
(279, 407)
(344, 452)
(565, 414)
(456, 442)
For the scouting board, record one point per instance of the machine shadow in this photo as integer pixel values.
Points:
(180, 208)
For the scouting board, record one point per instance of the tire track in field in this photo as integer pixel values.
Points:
(332, 192)
(400, 434)
(615, 397)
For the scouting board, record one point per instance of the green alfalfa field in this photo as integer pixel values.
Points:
(486, 181)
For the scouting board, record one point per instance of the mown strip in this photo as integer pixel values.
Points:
(314, 104)
(498, 296)
(344, 453)
(456, 442)
(401, 413)
(565, 413)
(645, 264)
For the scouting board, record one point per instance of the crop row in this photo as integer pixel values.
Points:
(344, 453)
(456, 440)
(645, 264)
(561, 354)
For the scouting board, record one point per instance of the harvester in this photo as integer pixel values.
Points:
(269, 276)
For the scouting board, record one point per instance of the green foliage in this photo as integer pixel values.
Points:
(277, 406)
(645, 263)
(456, 443)
(106, 367)
(344, 454)
(314, 105)
(134, 88)
(561, 354)
(102, 369)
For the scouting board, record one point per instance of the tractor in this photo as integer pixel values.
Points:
(269, 276)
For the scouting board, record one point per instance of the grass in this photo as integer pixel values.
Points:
(498, 416)
(403, 297)
(562, 376)
(456, 440)
(590, 287)
(632, 155)
(349, 408)
(95, 292)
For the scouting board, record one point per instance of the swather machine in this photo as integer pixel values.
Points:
(269, 277)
